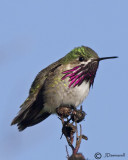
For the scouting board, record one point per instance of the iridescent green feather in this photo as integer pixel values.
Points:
(83, 51)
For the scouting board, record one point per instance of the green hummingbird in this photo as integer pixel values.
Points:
(65, 82)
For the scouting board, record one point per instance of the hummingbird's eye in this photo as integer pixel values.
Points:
(81, 59)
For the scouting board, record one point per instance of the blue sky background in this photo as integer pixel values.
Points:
(33, 34)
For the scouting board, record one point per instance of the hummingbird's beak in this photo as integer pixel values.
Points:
(103, 58)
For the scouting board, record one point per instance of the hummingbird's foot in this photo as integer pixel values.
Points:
(64, 111)
(78, 115)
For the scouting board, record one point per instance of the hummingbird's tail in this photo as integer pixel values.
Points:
(27, 122)
(30, 114)
(22, 124)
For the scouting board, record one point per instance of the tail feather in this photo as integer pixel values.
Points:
(27, 123)
(25, 107)
(30, 114)
(16, 119)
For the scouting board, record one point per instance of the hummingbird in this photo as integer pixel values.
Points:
(65, 82)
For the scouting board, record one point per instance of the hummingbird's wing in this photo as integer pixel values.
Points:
(29, 113)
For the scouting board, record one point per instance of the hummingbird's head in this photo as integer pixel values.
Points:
(85, 62)
(80, 55)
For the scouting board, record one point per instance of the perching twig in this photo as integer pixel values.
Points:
(78, 140)
(68, 129)
(67, 152)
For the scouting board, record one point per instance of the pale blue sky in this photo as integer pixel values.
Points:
(33, 34)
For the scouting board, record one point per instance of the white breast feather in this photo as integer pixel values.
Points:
(81, 93)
